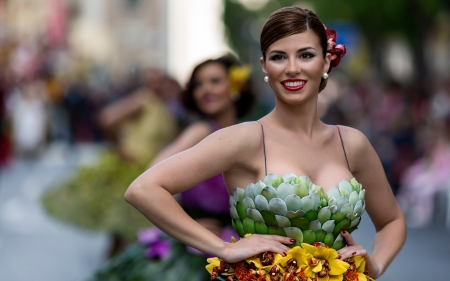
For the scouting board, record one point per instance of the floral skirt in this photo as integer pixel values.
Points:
(302, 263)
(134, 264)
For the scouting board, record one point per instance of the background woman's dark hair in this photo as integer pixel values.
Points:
(289, 21)
(243, 104)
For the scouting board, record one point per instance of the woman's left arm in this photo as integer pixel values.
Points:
(381, 205)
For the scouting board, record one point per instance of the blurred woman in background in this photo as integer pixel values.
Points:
(219, 92)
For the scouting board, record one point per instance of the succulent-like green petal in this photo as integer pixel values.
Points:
(287, 177)
(355, 222)
(238, 194)
(232, 203)
(333, 209)
(282, 221)
(305, 180)
(249, 225)
(352, 217)
(329, 239)
(294, 214)
(333, 193)
(295, 233)
(311, 215)
(293, 202)
(362, 194)
(358, 208)
(276, 230)
(307, 203)
(269, 179)
(338, 217)
(316, 199)
(323, 202)
(328, 226)
(269, 192)
(315, 225)
(347, 209)
(343, 225)
(355, 185)
(293, 181)
(344, 185)
(239, 228)
(338, 243)
(233, 212)
(324, 214)
(332, 201)
(301, 189)
(277, 181)
(242, 212)
(309, 236)
(300, 222)
(341, 201)
(320, 235)
(354, 197)
(277, 206)
(261, 228)
(284, 190)
(258, 187)
(249, 191)
(269, 218)
(255, 215)
(261, 203)
(248, 203)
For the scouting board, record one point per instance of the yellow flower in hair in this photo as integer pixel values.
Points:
(238, 76)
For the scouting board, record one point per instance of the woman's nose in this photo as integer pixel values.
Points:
(293, 67)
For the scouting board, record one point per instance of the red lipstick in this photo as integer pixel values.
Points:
(293, 84)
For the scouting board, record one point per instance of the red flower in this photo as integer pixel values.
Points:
(337, 51)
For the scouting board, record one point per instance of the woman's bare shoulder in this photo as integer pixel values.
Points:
(353, 139)
(245, 134)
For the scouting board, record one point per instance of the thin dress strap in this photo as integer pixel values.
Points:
(264, 146)
(342, 142)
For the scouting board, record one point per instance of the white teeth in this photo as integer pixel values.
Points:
(294, 84)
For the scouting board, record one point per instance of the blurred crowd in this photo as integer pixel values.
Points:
(49, 94)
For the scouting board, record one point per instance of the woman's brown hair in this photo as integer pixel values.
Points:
(288, 21)
(243, 104)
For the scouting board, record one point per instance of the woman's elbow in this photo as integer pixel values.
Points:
(131, 194)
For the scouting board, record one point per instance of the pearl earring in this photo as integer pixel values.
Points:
(266, 79)
(325, 75)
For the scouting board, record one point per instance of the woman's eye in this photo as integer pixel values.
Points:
(306, 55)
(276, 57)
(215, 81)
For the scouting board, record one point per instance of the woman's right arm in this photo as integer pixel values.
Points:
(152, 194)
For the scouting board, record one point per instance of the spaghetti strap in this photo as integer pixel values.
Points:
(342, 142)
(264, 146)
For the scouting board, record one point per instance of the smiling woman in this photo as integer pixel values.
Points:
(303, 209)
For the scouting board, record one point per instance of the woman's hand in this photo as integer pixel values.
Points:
(256, 244)
(354, 249)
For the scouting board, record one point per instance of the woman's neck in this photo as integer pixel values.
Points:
(226, 118)
(301, 118)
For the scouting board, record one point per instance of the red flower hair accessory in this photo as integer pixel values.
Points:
(337, 51)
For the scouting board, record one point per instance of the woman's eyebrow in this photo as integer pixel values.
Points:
(298, 51)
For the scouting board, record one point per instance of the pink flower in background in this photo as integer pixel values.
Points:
(159, 249)
(148, 236)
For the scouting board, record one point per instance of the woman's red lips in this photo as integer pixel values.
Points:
(293, 84)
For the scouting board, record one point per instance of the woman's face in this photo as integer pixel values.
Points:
(295, 65)
(212, 89)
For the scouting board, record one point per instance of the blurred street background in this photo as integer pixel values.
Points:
(63, 63)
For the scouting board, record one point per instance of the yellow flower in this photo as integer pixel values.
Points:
(238, 76)
(324, 263)
(358, 266)
(259, 265)
(301, 257)
(213, 262)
